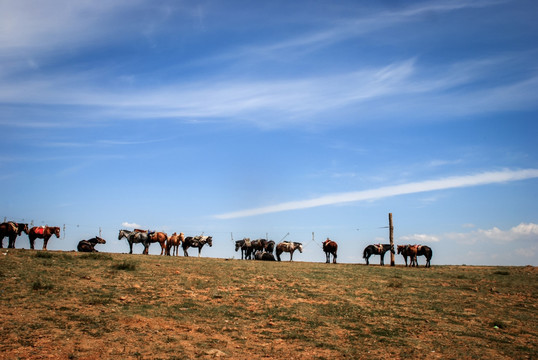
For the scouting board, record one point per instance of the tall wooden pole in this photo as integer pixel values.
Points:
(391, 238)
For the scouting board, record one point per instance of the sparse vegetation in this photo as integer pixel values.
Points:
(67, 305)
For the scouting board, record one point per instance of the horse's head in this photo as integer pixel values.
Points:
(300, 248)
(23, 227)
(121, 234)
(400, 248)
(209, 241)
(100, 240)
(392, 248)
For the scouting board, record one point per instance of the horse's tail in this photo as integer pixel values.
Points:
(364, 253)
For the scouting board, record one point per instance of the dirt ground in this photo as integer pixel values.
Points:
(58, 305)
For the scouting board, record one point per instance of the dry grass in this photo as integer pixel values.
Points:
(99, 306)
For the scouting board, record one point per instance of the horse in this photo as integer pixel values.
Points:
(259, 245)
(89, 245)
(415, 251)
(11, 229)
(173, 243)
(132, 238)
(427, 252)
(264, 256)
(43, 232)
(408, 250)
(245, 246)
(288, 246)
(7, 229)
(378, 249)
(270, 247)
(330, 247)
(197, 241)
(159, 237)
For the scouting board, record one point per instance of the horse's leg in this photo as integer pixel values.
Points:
(278, 252)
(32, 241)
(130, 247)
(199, 251)
(327, 257)
(334, 257)
(185, 253)
(291, 255)
(11, 243)
(45, 241)
(367, 257)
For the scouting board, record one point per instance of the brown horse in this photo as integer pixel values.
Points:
(42, 232)
(288, 246)
(89, 245)
(159, 237)
(411, 251)
(173, 243)
(11, 229)
(330, 247)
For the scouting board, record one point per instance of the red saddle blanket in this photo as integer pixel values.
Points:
(40, 230)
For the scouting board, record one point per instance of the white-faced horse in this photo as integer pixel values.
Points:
(133, 238)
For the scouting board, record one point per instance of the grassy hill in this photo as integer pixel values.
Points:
(98, 306)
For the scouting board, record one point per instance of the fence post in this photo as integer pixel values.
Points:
(391, 239)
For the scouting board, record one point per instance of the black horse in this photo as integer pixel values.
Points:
(245, 246)
(89, 245)
(378, 249)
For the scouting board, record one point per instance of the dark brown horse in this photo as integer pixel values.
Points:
(427, 252)
(42, 232)
(262, 245)
(173, 243)
(159, 237)
(89, 245)
(377, 249)
(330, 247)
(11, 229)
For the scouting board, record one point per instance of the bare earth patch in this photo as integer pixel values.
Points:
(108, 306)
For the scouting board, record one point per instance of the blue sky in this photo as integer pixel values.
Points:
(282, 118)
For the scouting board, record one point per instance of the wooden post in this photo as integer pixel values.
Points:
(391, 239)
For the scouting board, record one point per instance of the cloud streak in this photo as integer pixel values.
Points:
(389, 191)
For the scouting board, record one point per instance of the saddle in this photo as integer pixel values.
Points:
(14, 227)
(40, 230)
(379, 248)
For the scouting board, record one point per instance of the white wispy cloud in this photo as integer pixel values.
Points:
(523, 231)
(389, 191)
(130, 225)
(419, 239)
